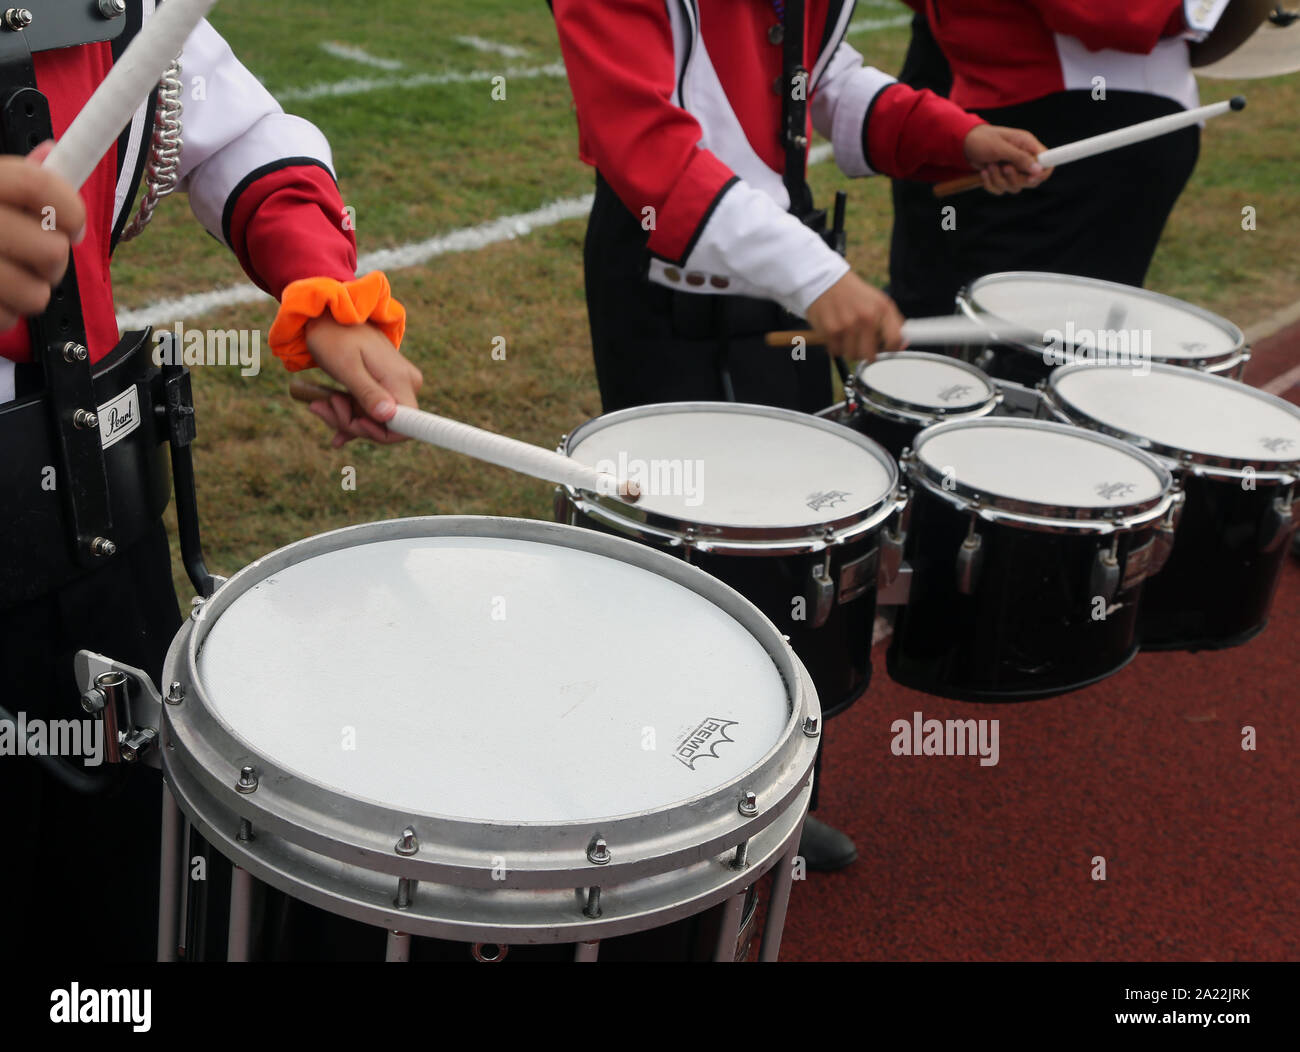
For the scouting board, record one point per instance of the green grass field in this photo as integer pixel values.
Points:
(424, 158)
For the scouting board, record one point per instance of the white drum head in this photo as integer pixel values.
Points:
(926, 380)
(1184, 410)
(746, 467)
(492, 680)
(1045, 302)
(1061, 467)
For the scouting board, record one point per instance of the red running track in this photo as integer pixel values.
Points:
(968, 863)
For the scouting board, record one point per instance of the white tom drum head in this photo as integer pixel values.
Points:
(1064, 303)
(1046, 464)
(926, 380)
(492, 679)
(740, 466)
(1183, 410)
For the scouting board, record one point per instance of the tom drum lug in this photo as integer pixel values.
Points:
(820, 593)
(893, 539)
(1163, 542)
(1279, 521)
(970, 557)
(1104, 577)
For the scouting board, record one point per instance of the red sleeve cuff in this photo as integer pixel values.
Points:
(917, 135)
(289, 223)
(688, 206)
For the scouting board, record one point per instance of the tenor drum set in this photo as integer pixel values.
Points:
(590, 732)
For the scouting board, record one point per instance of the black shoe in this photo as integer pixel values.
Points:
(1295, 544)
(824, 848)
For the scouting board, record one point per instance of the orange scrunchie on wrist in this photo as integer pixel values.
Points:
(367, 299)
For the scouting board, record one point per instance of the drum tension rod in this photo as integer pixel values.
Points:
(407, 845)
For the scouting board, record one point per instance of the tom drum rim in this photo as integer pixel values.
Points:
(1033, 514)
(1230, 359)
(636, 521)
(903, 411)
(1179, 458)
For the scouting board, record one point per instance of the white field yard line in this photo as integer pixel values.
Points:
(363, 85)
(479, 44)
(355, 54)
(1281, 384)
(412, 254)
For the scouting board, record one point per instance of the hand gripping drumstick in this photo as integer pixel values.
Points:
(485, 445)
(131, 80)
(919, 332)
(1111, 140)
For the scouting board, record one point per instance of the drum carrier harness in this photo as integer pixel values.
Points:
(83, 476)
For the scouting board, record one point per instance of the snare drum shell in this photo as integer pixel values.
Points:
(1027, 631)
(837, 654)
(334, 849)
(1218, 585)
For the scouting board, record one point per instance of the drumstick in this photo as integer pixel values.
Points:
(496, 449)
(1111, 140)
(131, 80)
(948, 330)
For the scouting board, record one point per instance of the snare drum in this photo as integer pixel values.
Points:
(1085, 319)
(490, 731)
(1029, 544)
(788, 509)
(897, 396)
(1236, 450)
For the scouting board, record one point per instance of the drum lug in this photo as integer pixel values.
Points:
(851, 399)
(892, 541)
(820, 592)
(970, 557)
(894, 576)
(1279, 522)
(820, 595)
(124, 699)
(1163, 542)
(1104, 578)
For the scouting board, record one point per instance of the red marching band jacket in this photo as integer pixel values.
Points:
(258, 179)
(1005, 52)
(677, 109)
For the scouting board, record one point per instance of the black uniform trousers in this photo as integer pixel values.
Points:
(1099, 218)
(652, 344)
(79, 877)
